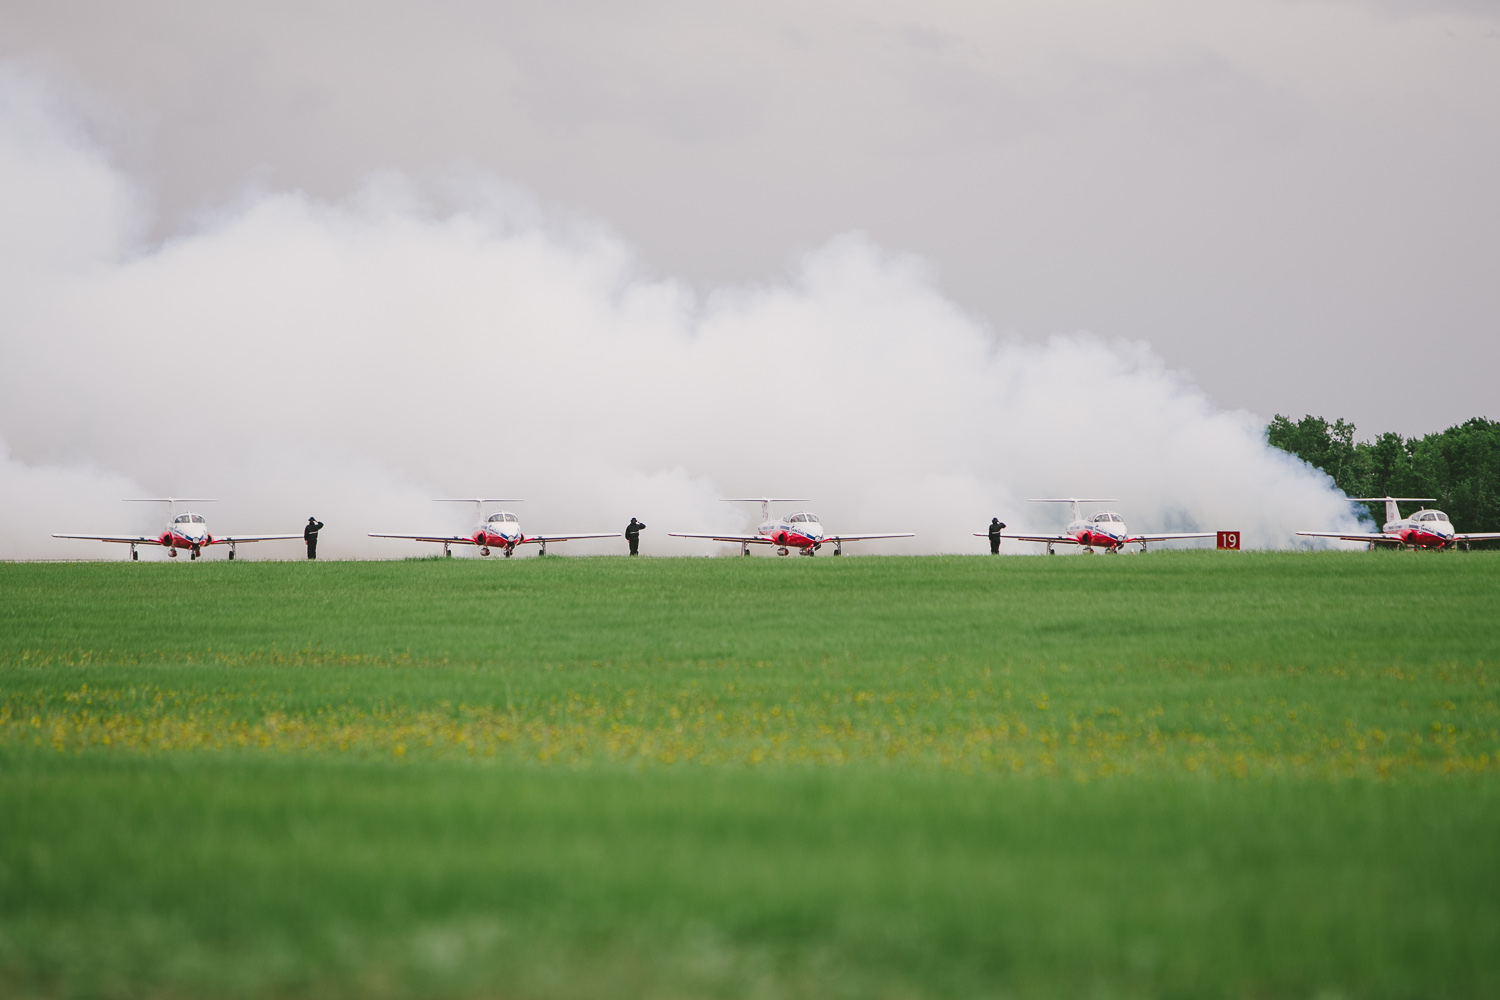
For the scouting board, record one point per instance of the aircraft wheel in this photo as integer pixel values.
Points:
(134, 555)
(231, 555)
(509, 550)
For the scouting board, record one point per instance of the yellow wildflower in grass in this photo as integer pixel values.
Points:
(706, 725)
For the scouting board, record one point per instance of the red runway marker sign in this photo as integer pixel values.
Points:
(1229, 540)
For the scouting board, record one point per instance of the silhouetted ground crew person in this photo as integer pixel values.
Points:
(310, 535)
(633, 536)
(996, 526)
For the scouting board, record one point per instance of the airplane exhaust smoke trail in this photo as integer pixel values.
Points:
(353, 359)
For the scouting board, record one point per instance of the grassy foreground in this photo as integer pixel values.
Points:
(1186, 774)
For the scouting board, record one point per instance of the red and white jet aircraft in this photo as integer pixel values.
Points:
(1105, 530)
(801, 531)
(501, 530)
(184, 531)
(1426, 529)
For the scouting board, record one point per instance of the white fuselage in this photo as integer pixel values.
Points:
(1105, 530)
(186, 531)
(500, 530)
(1424, 529)
(801, 530)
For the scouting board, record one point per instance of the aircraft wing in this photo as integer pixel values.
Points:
(126, 539)
(1050, 539)
(568, 538)
(865, 538)
(1373, 536)
(1477, 536)
(1169, 536)
(242, 539)
(755, 539)
(440, 539)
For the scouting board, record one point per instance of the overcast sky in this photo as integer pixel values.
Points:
(1295, 202)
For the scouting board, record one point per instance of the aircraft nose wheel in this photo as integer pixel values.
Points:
(509, 550)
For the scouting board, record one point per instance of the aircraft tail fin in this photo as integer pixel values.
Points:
(1392, 512)
(1075, 501)
(171, 502)
(478, 502)
(765, 503)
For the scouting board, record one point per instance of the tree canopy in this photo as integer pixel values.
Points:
(1460, 466)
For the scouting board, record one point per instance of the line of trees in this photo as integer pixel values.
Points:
(1459, 466)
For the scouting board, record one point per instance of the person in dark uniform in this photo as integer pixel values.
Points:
(996, 526)
(633, 536)
(310, 535)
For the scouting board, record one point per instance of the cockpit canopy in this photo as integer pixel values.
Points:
(1431, 515)
(501, 515)
(1106, 515)
(803, 517)
(188, 519)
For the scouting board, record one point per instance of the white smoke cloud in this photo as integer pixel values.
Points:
(353, 359)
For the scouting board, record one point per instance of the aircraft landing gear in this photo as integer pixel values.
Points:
(134, 555)
(195, 552)
(808, 551)
(744, 548)
(510, 550)
(447, 550)
(838, 547)
(1049, 549)
(541, 548)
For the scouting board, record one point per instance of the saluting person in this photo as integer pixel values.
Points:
(310, 536)
(633, 536)
(996, 526)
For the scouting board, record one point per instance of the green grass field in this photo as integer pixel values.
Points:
(1179, 775)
